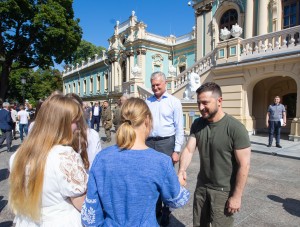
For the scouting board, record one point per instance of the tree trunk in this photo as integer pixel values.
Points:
(4, 80)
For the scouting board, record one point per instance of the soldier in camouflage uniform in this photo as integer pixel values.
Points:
(106, 120)
(117, 111)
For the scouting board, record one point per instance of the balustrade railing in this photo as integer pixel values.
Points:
(285, 40)
(200, 67)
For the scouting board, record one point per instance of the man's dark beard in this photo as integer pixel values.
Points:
(211, 115)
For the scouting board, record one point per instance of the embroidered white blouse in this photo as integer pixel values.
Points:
(64, 177)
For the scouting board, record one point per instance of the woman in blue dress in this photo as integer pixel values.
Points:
(126, 179)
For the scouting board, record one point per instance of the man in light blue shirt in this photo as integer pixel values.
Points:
(167, 133)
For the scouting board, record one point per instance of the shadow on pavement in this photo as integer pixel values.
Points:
(4, 173)
(292, 206)
(175, 222)
(6, 224)
(264, 144)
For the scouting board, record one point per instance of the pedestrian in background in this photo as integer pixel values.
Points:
(87, 113)
(275, 118)
(107, 120)
(117, 111)
(23, 118)
(6, 126)
(14, 117)
(96, 116)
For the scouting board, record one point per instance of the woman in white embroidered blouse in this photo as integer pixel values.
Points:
(48, 178)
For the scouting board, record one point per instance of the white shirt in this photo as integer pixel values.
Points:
(96, 111)
(14, 115)
(167, 118)
(23, 116)
(94, 145)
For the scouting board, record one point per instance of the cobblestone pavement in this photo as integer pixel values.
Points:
(271, 198)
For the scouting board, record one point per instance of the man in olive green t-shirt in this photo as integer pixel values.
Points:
(224, 149)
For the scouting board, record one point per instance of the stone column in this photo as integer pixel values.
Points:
(262, 17)
(131, 64)
(112, 78)
(127, 67)
(295, 125)
(199, 38)
(249, 19)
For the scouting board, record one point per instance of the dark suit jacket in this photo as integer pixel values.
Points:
(6, 122)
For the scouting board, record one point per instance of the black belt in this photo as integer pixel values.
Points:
(157, 138)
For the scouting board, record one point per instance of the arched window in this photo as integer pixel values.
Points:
(289, 101)
(78, 91)
(98, 83)
(291, 13)
(106, 81)
(229, 18)
(91, 85)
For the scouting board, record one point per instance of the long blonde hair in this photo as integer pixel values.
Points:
(133, 113)
(52, 127)
(80, 142)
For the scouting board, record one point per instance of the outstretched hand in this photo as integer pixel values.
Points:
(182, 177)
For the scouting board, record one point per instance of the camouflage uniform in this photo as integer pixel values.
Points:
(107, 122)
(117, 117)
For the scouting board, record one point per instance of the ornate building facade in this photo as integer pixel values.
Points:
(251, 48)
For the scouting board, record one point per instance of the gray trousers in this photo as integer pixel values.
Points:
(6, 135)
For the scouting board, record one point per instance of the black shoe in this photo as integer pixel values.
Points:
(269, 145)
(278, 145)
(165, 220)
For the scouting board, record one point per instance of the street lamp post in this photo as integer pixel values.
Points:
(23, 81)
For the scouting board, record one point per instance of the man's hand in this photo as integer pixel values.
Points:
(234, 204)
(182, 177)
(267, 124)
(175, 157)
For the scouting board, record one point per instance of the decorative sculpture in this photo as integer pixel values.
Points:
(225, 34)
(136, 71)
(236, 30)
(191, 87)
(172, 70)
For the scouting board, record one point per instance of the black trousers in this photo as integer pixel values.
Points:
(6, 135)
(166, 146)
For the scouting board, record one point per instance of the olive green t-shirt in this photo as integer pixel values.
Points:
(216, 143)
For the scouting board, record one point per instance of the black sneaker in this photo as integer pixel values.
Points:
(269, 145)
(278, 145)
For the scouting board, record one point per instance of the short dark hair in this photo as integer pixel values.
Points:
(210, 86)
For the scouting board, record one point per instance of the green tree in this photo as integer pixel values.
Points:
(84, 51)
(39, 84)
(35, 34)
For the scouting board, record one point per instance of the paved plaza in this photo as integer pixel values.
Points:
(271, 198)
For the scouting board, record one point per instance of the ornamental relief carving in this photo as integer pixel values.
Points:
(157, 59)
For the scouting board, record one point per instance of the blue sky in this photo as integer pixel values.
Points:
(162, 17)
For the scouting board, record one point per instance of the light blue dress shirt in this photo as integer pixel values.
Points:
(167, 118)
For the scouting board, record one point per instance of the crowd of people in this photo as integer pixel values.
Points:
(60, 175)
